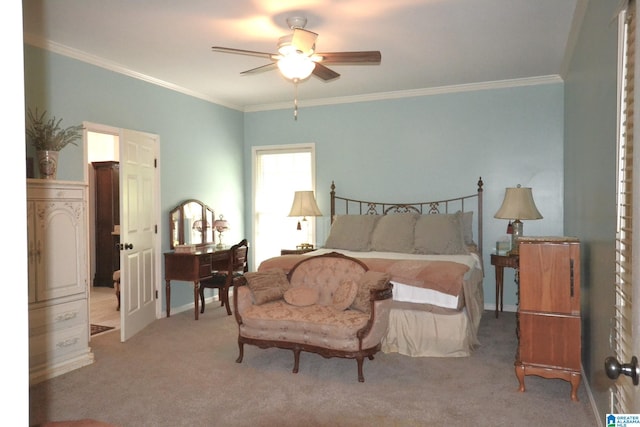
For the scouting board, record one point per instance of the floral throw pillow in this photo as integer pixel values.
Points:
(344, 296)
(267, 286)
(371, 280)
(301, 296)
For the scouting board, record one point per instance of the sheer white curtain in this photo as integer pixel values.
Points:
(278, 173)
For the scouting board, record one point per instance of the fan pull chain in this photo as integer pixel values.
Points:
(295, 99)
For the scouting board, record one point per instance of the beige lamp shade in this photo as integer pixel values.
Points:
(518, 204)
(304, 204)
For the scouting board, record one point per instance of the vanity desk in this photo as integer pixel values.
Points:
(194, 255)
(193, 267)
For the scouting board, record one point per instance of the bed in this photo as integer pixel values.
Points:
(433, 252)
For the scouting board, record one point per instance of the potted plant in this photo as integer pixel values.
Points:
(48, 138)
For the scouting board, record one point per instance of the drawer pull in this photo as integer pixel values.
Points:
(67, 316)
(67, 343)
(571, 275)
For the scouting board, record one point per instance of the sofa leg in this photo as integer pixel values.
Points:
(360, 361)
(296, 360)
(239, 359)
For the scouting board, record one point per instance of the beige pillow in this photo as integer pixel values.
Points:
(267, 285)
(440, 235)
(467, 227)
(344, 296)
(394, 233)
(351, 232)
(301, 296)
(371, 280)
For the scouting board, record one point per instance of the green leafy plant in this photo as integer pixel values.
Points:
(46, 134)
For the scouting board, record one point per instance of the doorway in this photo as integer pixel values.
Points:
(134, 227)
(102, 165)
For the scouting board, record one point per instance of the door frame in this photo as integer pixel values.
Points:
(100, 128)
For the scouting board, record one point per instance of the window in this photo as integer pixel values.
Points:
(278, 173)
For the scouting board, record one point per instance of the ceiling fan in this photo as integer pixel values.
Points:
(297, 58)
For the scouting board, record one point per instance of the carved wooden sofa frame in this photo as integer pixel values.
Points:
(380, 301)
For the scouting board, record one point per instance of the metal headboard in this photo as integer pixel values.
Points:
(472, 202)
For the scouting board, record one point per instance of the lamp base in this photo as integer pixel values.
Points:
(515, 236)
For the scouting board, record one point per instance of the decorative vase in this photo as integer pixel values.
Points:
(48, 164)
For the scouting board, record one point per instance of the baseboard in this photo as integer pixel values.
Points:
(190, 306)
(592, 400)
(507, 308)
(46, 372)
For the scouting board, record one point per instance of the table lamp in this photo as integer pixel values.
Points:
(220, 226)
(518, 204)
(304, 205)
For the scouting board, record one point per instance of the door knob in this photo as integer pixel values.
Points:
(128, 245)
(613, 368)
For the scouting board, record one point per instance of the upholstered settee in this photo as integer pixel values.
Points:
(328, 304)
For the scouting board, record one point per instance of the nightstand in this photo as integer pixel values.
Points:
(500, 262)
(296, 251)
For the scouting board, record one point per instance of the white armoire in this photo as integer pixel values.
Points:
(58, 278)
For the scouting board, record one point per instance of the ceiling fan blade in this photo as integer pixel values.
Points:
(304, 40)
(369, 57)
(324, 73)
(243, 52)
(267, 67)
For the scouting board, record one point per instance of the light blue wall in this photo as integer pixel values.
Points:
(429, 147)
(590, 183)
(403, 149)
(200, 142)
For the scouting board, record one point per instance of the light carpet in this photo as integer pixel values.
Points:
(182, 372)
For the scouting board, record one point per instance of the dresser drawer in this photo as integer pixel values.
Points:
(57, 317)
(205, 266)
(54, 346)
(45, 191)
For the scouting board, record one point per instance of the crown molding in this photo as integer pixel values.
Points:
(117, 68)
(381, 96)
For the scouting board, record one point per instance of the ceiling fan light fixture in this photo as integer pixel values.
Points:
(296, 22)
(296, 66)
(287, 46)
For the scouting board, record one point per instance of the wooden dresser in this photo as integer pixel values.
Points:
(107, 193)
(58, 276)
(549, 343)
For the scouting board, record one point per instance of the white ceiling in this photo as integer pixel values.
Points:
(425, 44)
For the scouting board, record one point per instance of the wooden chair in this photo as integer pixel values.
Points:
(222, 280)
(116, 285)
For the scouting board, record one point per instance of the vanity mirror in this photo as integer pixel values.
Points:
(191, 223)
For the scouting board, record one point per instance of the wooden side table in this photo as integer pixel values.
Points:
(296, 251)
(500, 262)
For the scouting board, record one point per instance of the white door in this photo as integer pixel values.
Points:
(138, 154)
